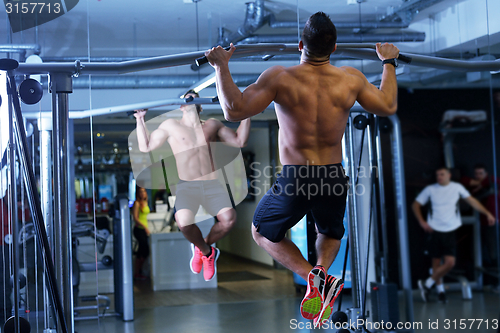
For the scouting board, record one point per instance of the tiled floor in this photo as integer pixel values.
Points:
(270, 305)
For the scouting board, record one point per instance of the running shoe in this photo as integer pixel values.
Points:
(312, 303)
(424, 291)
(209, 268)
(196, 264)
(333, 287)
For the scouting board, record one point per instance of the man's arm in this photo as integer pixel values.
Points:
(416, 206)
(146, 142)
(253, 100)
(480, 208)
(238, 138)
(383, 101)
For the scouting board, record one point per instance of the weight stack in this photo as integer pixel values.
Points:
(385, 303)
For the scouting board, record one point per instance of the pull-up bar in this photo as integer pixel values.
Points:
(358, 51)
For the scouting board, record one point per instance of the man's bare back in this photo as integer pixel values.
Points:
(312, 102)
(312, 106)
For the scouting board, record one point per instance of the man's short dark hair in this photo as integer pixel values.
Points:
(480, 166)
(443, 167)
(192, 92)
(319, 36)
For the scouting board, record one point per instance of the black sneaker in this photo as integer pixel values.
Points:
(442, 298)
(424, 291)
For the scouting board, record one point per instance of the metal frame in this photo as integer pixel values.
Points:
(401, 214)
(34, 202)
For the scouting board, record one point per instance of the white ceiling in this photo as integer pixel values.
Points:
(119, 28)
(157, 27)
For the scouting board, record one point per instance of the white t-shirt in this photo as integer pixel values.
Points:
(444, 214)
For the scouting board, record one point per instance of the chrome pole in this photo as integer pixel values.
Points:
(45, 137)
(401, 214)
(61, 85)
(13, 214)
(356, 280)
(381, 193)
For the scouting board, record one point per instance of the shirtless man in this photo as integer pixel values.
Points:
(312, 102)
(189, 139)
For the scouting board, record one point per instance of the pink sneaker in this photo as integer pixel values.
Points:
(209, 268)
(196, 264)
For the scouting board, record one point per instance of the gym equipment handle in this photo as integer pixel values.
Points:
(203, 60)
(404, 58)
(401, 57)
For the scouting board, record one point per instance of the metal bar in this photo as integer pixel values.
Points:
(143, 64)
(62, 227)
(13, 209)
(448, 149)
(124, 284)
(45, 127)
(137, 106)
(399, 184)
(34, 201)
(19, 48)
(427, 61)
(355, 50)
(478, 257)
(356, 282)
(371, 216)
(381, 193)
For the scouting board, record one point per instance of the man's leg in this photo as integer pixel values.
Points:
(185, 221)
(285, 252)
(227, 220)
(327, 249)
(439, 270)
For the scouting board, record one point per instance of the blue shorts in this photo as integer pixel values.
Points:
(298, 190)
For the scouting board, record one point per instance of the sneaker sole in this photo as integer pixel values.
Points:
(311, 305)
(191, 261)
(327, 309)
(215, 266)
(422, 290)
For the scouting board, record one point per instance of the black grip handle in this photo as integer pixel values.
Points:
(203, 60)
(129, 113)
(405, 59)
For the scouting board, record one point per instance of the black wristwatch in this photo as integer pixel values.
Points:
(392, 61)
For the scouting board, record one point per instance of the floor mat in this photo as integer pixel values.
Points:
(239, 276)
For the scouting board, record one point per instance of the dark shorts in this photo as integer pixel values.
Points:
(442, 244)
(208, 193)
(299, 189)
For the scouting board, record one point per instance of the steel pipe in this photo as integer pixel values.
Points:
(62, 227)
(359, 51)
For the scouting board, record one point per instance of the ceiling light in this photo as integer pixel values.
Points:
(199, 86)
